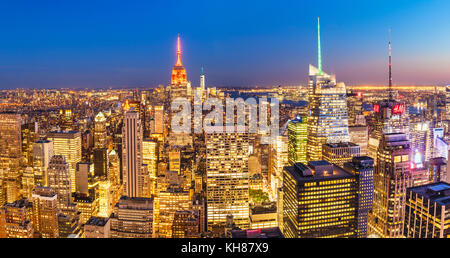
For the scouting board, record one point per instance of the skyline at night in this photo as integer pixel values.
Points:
(50, 45)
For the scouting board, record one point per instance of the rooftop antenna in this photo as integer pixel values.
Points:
(319, 54)
(390, 67)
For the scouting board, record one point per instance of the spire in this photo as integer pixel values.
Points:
(390, 67)
(178, 52)
(319, 54)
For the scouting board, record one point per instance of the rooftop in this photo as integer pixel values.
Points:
(436, 192)
(257, 233)
(316, 170)
(97, 221)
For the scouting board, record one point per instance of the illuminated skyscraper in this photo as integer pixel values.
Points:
(159, 119)
(319, 201)
(105, 198)
(59, 180)
(68, 144)
(132, 218)
(277, 161)
(132, 154)
(202, 80)
(29, 136)
(427, 209)
(86, 205)
(186, 224)
(297, 133)
(10, 156)
(100, 131)
(391, 178)
(227, 178)
(28, 182)
(178, 72)
(340, 153)
(362, 168)
(328, 119)
(45, 212)
(391, 116)
(15, 219)
(355, 109)
(359, 135)
(66, 119)
(169, 202)
(42, 153)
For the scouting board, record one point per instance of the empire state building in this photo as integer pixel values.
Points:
(179, 76)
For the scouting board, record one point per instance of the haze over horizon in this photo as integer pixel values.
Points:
(96, 45)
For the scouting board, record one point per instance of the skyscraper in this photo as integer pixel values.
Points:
(362, 168)
(227, 178)
(59, 180)
(391, 178)
(100, 131)
(132, 218)
(68, 144)
(427, 209)
(319, 201)
(328, 118)
(202, 80)
(10, 156)
(16, 219)
(178, 72)
(42, 153)
(159, 119)
(45, 212)
(391, 116)
(359, 135)
(132, 154)
(297, 134)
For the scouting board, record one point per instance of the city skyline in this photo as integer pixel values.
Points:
(134, 45)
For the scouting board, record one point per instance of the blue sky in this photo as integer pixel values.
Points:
(240, 43)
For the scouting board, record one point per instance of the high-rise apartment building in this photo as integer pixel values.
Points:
(392, 177)
(328, 118)
(132, 154)
(68, 144)
(319, 201)
(227, 178)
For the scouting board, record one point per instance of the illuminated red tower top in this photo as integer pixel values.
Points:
(178, 71)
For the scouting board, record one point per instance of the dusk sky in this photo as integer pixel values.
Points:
(89, 44)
